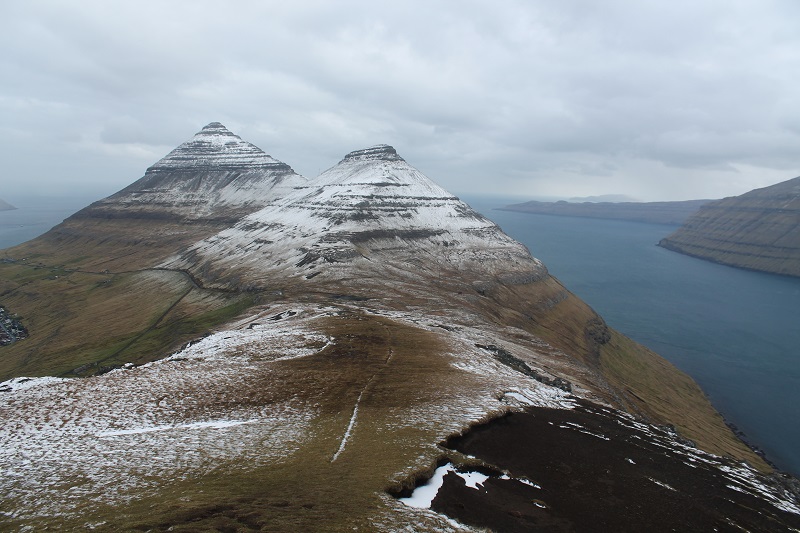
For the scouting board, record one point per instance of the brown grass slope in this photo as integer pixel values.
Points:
(388, 367)
(612, 367)
(626, 374)
(97, 243)
(83, 323)
(392, 371)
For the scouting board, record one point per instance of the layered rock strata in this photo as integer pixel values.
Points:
(213, 175)
(372, 213)
(759, 230)
(202, 186)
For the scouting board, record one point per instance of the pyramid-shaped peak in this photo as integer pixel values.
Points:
(215, 147)
(216, 129)
(377, 170)
(380, 152)
(212, 126)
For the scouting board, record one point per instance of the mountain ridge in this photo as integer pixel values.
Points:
(205, 184)
(758, 230)
(366, 201)
(213, 172)
(216, 147)
(295, 366)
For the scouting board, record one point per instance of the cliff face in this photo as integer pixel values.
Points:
(293, 368)
(759, 230)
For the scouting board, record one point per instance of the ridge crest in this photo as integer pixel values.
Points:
(379, 152)
(215, 147)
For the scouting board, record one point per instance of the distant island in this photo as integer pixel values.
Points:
(758, 230)
(5, 206)
(672, 213)
(603, 198)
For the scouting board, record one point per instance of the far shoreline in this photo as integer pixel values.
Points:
(665, 213)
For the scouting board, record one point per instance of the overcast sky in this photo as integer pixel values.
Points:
(659, 100)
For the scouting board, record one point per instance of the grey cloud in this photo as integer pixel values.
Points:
(572, 98)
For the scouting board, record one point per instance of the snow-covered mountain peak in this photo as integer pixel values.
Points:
(370, 210)
(377, 171)
(215, 174)
(216, 148)
(379, 152)
(218, 129)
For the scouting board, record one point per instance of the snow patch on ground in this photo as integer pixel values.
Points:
(423, 496)
(349, 429)
(110, 438)
(745, 479)
(473, 479)
(662, 484)
(741, 476)
(217, 424)
(542, 396)
(20, 384)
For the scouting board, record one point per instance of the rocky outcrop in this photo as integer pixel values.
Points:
(11, 329)
(672, 213)
(5, 206)
(759, 230)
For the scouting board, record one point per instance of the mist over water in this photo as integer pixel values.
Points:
(735, 332)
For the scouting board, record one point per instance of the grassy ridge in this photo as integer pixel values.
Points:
(79, 323)
(392, 367)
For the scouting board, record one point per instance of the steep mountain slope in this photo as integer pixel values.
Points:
(374, 228)
(91, 283)
(214, 175)
(372, 213)
(5, 206)
(759, 230)
(202, 186)
(379, 316)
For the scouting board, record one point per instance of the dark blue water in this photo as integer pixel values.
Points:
(36, 215)
(735, 332)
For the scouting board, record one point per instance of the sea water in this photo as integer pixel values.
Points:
(736, 332)
(36, 215)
